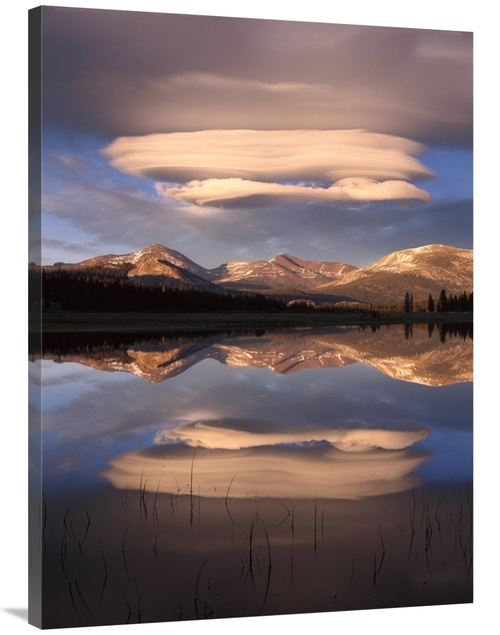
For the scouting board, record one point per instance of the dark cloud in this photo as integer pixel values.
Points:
(121, 73)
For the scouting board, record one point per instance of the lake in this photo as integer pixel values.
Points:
(240, 474)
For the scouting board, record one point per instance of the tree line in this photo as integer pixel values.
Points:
(101, 291)
(442, 304)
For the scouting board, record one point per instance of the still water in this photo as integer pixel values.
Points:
(229, 474)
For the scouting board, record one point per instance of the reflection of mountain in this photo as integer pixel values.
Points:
(153, 361)
(423, 357)
(280, 469)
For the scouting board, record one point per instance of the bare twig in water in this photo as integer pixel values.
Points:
(125, 501)
(88, 523)
(105, 576)
(126, 602)
(288, 513)
(77, 586)
(73, 602)
(139, 612)
(196, 598)
(191, 506)
(315, 526)
(383, 550)
(352, 570)
(226, 499)
(155, 506)
(269, 568)
(123, 553)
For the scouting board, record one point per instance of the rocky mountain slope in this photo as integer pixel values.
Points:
(154, 264)
(281, 271)
(420, 271)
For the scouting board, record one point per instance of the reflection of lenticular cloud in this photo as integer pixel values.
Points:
(282, 472)
(237, 434)
(224, 165)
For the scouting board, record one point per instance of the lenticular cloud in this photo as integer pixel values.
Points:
(222, 166)
(219, 191)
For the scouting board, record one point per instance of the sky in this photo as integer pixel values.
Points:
(240, 139)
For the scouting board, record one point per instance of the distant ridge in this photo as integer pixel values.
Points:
(421, 271)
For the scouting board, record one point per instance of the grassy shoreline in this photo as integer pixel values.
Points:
(67, 322)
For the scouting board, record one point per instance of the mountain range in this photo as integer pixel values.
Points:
(420, 271)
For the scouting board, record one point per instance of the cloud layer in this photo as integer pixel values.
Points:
(199, 72)
(219, 191)
(198, 75)
(229, 165)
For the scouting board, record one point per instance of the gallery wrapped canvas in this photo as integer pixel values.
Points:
(251, 317)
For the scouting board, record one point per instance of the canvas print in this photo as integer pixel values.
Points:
(251, 317)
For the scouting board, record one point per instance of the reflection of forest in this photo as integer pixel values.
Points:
(433, 355)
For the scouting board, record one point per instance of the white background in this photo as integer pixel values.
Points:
(435, 14)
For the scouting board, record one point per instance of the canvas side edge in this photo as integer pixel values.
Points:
(35, 497)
